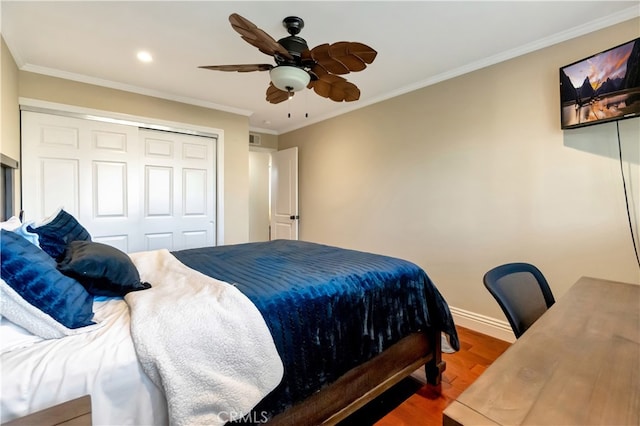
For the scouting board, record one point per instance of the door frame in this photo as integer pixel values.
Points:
(36, 105)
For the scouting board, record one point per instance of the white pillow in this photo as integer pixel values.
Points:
(11, 225)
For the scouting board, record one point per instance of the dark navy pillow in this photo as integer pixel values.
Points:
(32, 274)
(102, 269)
(56, 234)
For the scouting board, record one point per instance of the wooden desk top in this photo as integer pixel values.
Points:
(579, 364)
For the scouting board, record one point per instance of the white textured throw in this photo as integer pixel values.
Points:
(202, 341)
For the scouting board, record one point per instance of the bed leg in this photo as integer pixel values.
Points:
(434, 372)
(436, 366)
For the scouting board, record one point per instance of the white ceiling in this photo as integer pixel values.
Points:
(418, 43)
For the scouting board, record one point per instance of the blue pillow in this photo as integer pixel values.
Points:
(102, 269)
(56, 234)
(32, 274)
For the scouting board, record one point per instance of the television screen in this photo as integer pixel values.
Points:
(602, 87)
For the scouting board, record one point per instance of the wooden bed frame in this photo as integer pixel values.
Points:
(362, 384)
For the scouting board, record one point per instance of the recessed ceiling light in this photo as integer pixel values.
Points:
(144, 56)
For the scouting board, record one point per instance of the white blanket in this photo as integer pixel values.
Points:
(202, 341)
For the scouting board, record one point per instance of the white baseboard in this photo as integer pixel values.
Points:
(483, 324)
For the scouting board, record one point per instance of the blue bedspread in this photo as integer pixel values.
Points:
(328, 309)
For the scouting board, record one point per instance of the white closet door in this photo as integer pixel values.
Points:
(87, 167)
(178, 186)
(133, 189)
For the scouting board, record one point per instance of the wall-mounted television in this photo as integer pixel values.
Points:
(601, 88)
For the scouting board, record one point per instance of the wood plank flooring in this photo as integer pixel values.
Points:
(411, 403)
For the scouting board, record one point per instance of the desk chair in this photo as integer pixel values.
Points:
(521, 291)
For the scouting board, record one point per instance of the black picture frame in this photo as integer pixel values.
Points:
(601, 88)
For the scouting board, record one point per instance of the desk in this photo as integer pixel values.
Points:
(579, 364)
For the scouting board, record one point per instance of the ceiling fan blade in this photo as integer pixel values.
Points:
(257, 37)
(344, 92)
(322, 88)
(343, 57)
(362, 51)
(321, 54)
(243, 26)
(318, 70)
(260, 45)
(340, 52)
(336, 88)
(275, 95)
(239, 68)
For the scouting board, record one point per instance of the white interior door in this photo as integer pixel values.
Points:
(284, 194)
(133, 189)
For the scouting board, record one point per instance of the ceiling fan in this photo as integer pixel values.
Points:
(297, 66)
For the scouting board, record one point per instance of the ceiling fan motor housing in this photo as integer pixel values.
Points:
(295, 45)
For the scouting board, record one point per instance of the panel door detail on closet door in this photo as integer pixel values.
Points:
(85, 167)
(178, 186)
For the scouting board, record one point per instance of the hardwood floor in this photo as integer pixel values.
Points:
(411, 403)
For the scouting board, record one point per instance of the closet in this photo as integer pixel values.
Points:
(132, 187)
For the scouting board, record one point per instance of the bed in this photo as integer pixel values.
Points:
(344, 325)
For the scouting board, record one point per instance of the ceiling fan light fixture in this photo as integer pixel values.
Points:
(289, 79)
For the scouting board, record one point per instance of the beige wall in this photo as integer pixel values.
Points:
(267, 141)
(472, 172)
(9, 112)
(235, 127)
